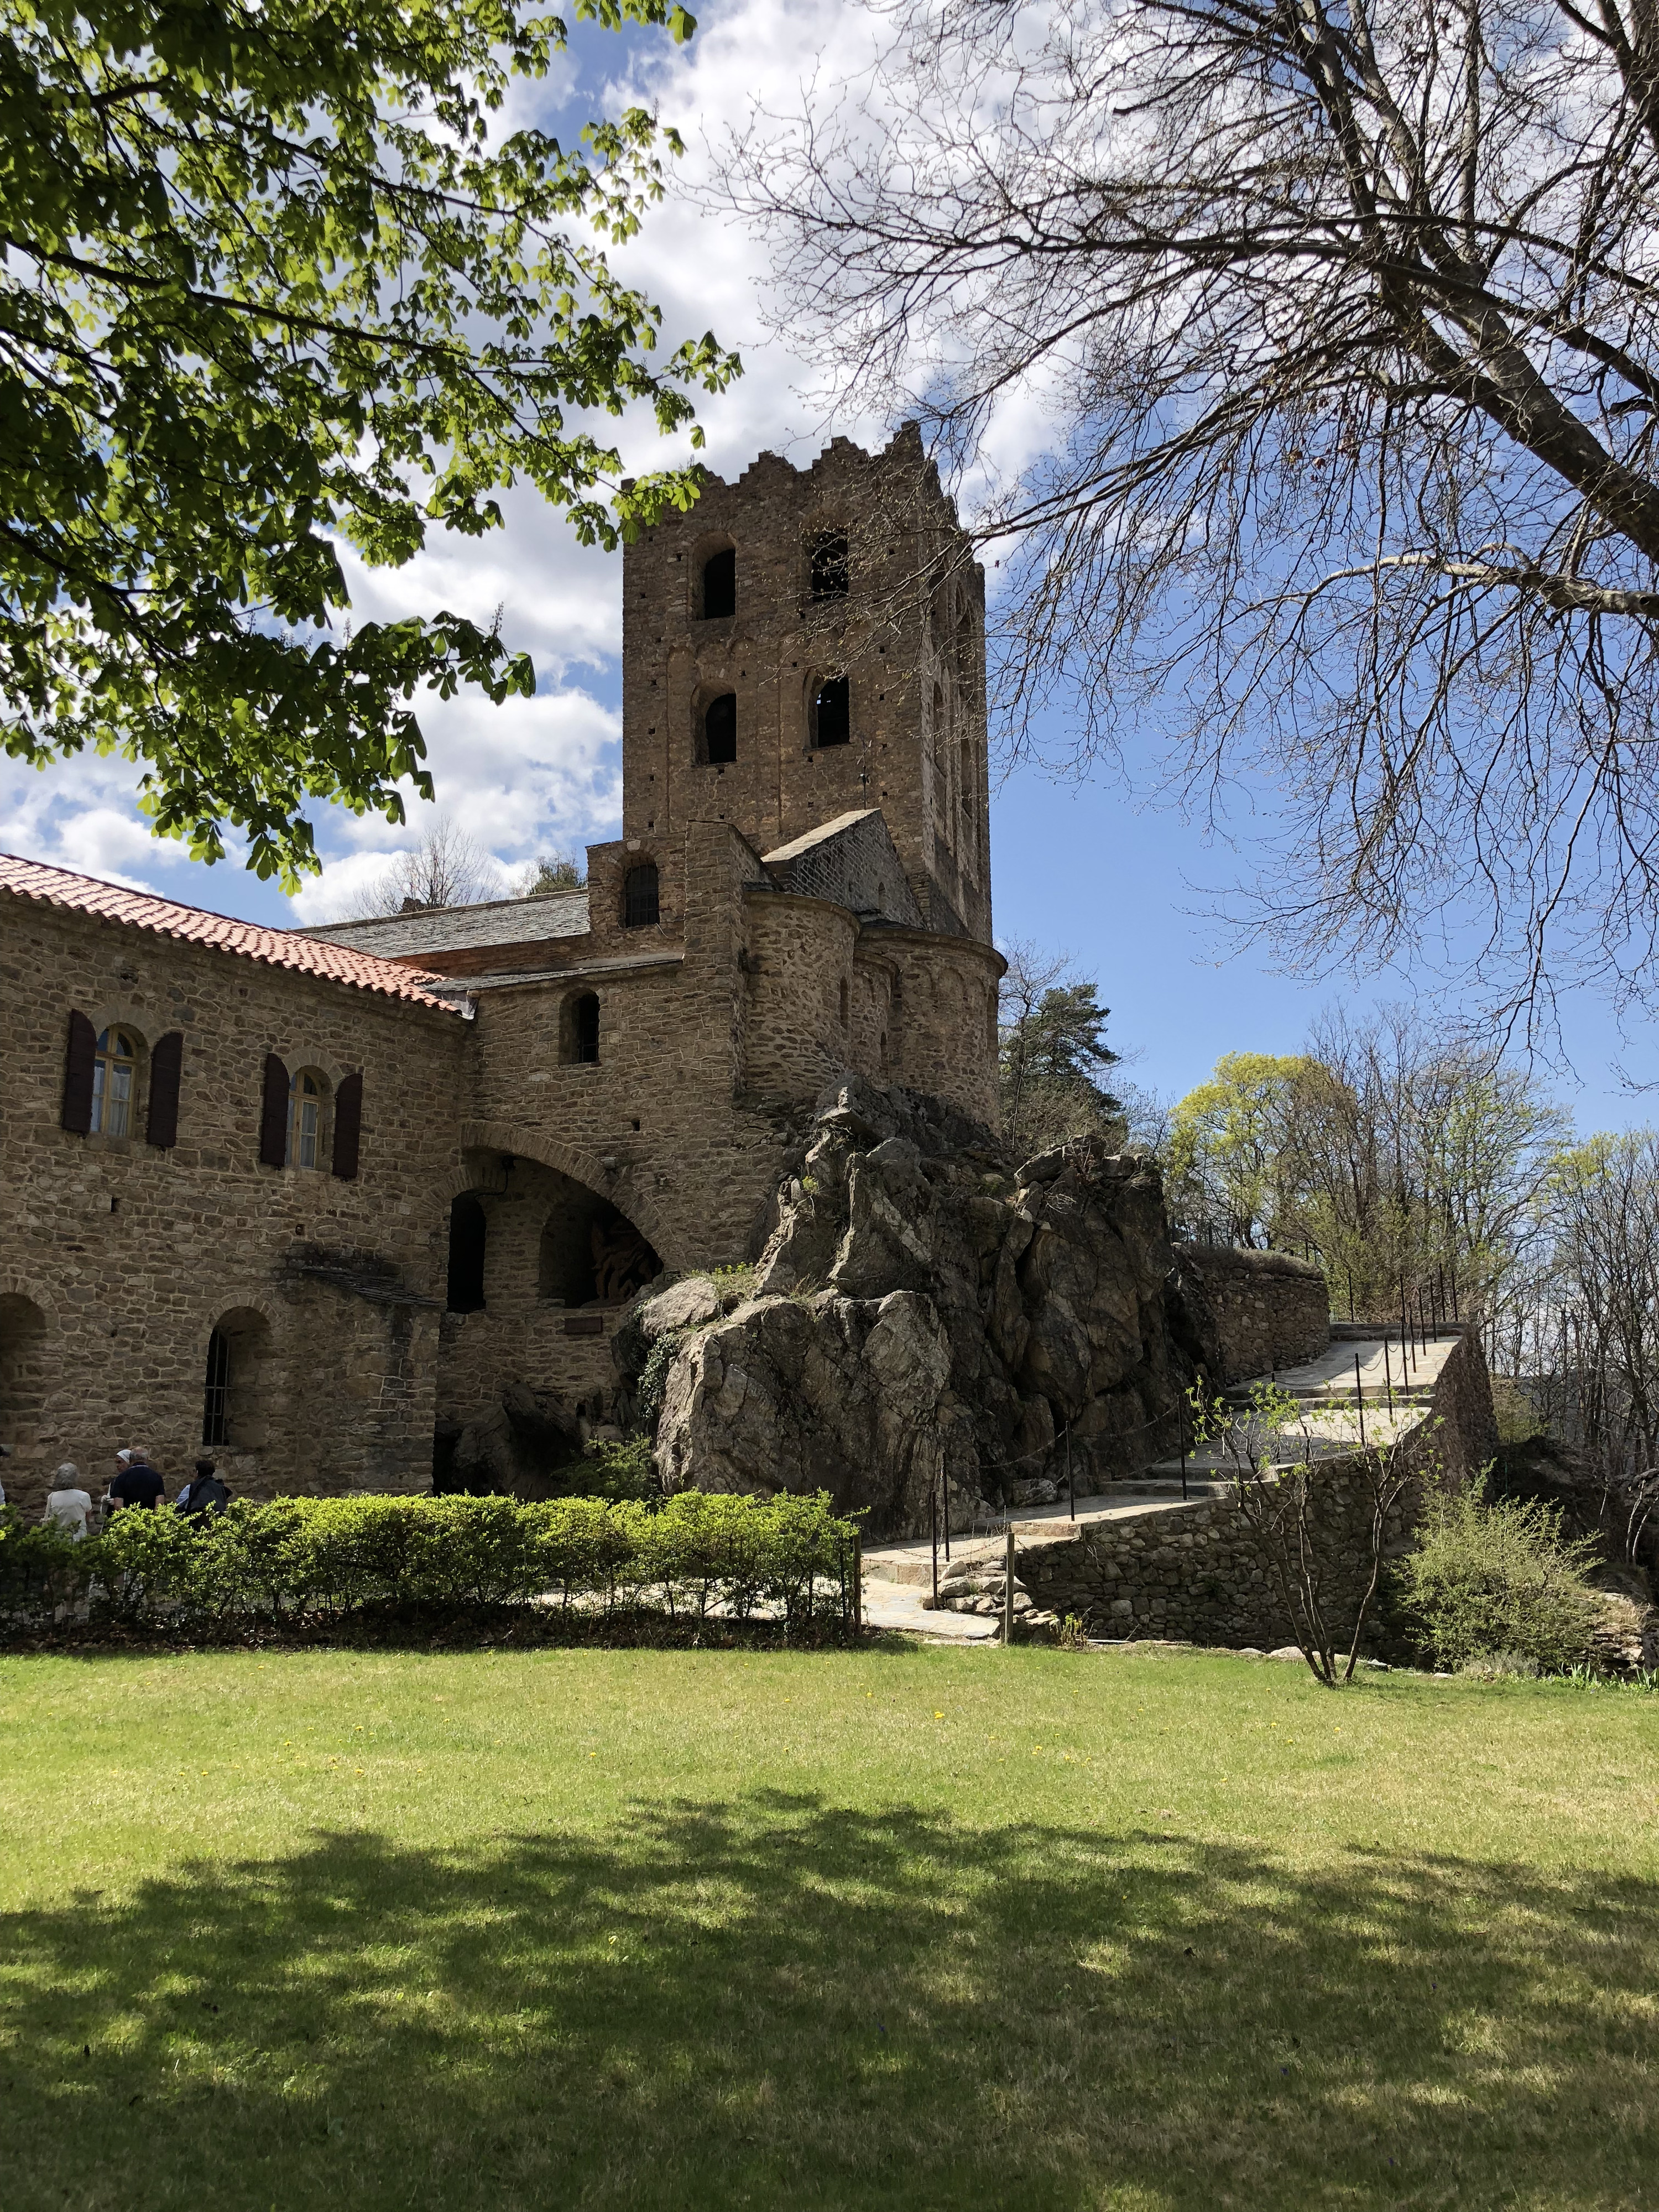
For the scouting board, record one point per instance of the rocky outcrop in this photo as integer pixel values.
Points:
(926, 1319)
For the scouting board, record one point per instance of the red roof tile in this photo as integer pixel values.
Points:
(276, 948)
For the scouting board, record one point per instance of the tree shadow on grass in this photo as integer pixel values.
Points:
(774, 2001)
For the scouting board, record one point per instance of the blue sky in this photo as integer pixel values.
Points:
(1077, 869)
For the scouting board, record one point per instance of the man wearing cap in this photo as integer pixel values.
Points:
(137, 1482)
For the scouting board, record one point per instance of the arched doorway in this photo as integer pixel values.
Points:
(236, 1393)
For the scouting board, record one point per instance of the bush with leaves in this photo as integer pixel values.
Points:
(1500, 1577)
(328, 1559)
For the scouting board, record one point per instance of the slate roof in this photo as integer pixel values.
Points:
(193, 925)
(459, 928)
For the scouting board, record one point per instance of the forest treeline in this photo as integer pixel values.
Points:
(1425, 1174)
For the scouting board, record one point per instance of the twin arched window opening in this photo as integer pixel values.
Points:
(719, 729)
(717, 594)
(832, 713)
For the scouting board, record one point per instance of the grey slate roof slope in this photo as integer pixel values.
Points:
(459, 928)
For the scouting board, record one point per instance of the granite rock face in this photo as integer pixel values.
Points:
(927, 1319)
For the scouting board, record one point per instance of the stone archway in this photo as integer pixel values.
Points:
(615, 1185)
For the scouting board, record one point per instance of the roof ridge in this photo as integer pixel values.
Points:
(50, 885)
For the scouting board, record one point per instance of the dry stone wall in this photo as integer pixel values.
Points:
(1197, 1573)
(1271, 1310)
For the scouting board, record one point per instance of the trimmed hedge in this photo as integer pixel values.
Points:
(327, 1559)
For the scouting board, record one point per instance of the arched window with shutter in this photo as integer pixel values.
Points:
(77, 1076)
(114, 1078)
(273, 1113)
(308, 1110)
(165, 1068)
(347, 1125)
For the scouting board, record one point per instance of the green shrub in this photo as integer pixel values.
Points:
(325, 1559)
(622, 1470)
(1500, 1578)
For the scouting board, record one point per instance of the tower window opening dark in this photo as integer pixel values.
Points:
(719, 585)
(719, 729)
(641, 904)
(585, 1028)
(832, 715)
(216, 1399)
(468, 1232)
(831, 568)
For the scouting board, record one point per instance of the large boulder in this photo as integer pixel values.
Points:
(929, 1321)
(825, 1393)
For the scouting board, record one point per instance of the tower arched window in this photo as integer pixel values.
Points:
(829, 568)
(719, 585)
(642, 900)
(114, 1073)
(719, 729)
(832, 717)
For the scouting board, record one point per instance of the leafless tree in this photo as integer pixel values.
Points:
(1342, 315)
(448, 867)
(1287, 1505)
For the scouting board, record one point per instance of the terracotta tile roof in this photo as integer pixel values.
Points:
(275, 948)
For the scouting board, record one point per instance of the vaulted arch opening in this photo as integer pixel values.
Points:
(717, 585)
(590, 1253)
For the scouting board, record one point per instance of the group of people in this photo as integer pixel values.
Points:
(135, 1487)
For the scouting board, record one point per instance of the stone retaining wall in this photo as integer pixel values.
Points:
(1271, 1310)
(1197, 1574)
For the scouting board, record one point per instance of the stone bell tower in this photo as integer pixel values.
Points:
(808, 642)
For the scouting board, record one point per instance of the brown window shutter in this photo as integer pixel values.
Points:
(166, 1062)
(77, 1076)
(347, 1124)
(273, 1115)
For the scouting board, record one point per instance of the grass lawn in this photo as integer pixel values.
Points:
(920, 1930)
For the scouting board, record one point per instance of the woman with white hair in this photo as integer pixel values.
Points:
(67, 1503)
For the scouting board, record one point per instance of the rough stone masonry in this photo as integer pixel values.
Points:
(326, 1201)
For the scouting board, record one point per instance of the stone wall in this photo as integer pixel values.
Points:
(1196, 1573)
(1271, 1310)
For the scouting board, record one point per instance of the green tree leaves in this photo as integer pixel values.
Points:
(274, 282)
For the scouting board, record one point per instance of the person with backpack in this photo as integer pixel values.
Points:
(204, 1494)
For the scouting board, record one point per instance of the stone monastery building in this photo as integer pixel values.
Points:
(313, 1198)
